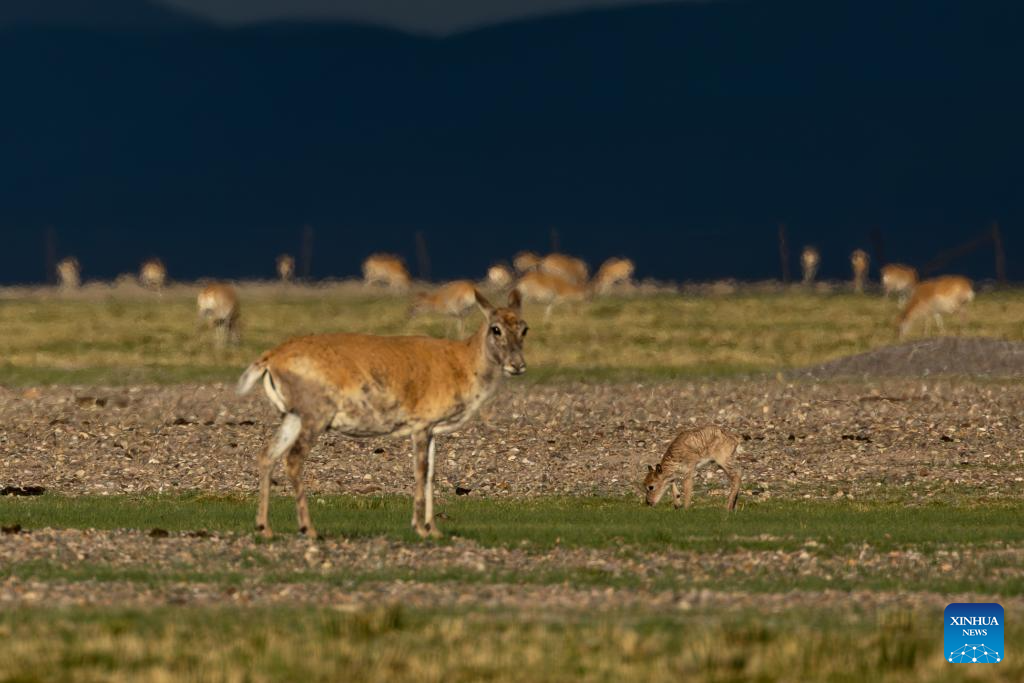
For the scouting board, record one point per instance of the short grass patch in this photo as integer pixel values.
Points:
(545, 522)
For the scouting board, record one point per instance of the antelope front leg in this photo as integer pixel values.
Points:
(688, 486)
(429, 492)
(676, 500)
(420, 457)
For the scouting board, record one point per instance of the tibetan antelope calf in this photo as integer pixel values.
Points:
(809, 260)
(545, 288)
(285, 267)
(365, 386)
(688, 451)
(859, 261)
(934, 298)
(612, 272)
(456, 299)
(69, 273)
(386, 269)
(153, 274)
(569, 268)
(499, 276)
(218, 309)
(525, 261)
(898, 279)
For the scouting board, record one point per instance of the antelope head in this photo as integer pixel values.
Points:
(506, 330)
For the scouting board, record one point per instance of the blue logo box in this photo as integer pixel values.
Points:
(973, 633)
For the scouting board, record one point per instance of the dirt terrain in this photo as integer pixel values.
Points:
(911, 437)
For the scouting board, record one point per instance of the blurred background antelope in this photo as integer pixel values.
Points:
(499, 276)
(546, 288)
(809, 260)
(613, 272)
(219, 311)
(525, 261)
(285, 268)
(860, 262)
(456, 299)
(153, 274)
(569, 268)
(387, 270)
(69, 273)
(898, 279)
(934, 298)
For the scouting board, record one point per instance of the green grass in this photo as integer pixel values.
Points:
(113, 337)
(570, 522)
(396, 644)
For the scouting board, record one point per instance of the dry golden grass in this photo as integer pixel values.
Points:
(106, 335)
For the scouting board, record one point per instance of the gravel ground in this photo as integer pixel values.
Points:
(963, 356)
(809, 439)
(336, 559)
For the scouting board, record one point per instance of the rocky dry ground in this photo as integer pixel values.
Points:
(805, 438)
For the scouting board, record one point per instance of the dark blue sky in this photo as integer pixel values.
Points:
(680, 135)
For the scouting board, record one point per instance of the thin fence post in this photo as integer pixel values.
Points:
(1000, 254)
(422, 256)
(50, 255)
(783, 253)
(307, 252)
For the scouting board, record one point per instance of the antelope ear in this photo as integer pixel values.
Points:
(657, 468)
(650, 468)
(483, 303)
(515, 301)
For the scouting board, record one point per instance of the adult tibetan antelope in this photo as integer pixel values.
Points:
(525, 261)
(934, 298)
(285, 267)
(809, 260)
(153, 274)
(457, 299)
(859, 261)
(499, 276)
(569, 268)
(612, 272)
(545, 288)
(69, 273)
(364, 385)
(688, 451)
(218, 309)
(898, 279)
(386, 269)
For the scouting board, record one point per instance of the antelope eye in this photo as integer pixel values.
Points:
(525, 330)
(495, 330)
(650, 488)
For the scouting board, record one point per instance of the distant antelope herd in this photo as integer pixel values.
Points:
(423, 387)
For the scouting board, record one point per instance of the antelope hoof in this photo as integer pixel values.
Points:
(676, 505)
(309, 532)
(265, 531)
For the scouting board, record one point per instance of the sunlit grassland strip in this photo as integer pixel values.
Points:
(113, 339)
(396, 644)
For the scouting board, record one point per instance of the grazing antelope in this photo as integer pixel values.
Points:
(859, 261)
(218, 308)
(545, 288)
(153, 274)
(688, 451)
(69, 273)
(809, 260)
(612, 272)
(499, 276)
(899, 279)
(933, 298)
(569, 268)
(456, 299)
(285, 267)
(525, 261)
(386, 269)
(365, 386)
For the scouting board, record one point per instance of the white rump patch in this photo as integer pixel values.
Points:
(273, 394)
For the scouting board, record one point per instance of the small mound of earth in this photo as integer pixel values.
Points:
(971, 356)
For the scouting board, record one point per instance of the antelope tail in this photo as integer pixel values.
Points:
(252, 374)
